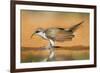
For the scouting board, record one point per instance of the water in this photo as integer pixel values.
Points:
(61, 54)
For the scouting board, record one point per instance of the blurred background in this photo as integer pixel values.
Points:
(32, 50)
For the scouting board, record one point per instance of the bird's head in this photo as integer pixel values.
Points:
(39, 31)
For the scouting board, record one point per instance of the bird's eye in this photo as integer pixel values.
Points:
(37, 31)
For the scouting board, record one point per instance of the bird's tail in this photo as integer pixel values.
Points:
(73, 28)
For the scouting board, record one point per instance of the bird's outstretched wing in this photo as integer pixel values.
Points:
(73, 28)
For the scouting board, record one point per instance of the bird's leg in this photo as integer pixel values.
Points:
(52, 51)
(50, 45)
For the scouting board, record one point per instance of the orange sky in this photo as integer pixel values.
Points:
(31, 20)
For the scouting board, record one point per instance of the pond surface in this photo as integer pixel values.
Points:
(61, 54)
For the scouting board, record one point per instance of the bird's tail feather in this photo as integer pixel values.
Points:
(73, 28)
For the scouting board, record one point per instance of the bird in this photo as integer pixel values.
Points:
(55, 34)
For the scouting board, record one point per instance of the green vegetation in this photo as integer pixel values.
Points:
(31, 58)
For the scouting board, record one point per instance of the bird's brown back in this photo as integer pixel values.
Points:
(60, 35)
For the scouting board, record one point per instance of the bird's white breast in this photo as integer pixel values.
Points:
(42, 34)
